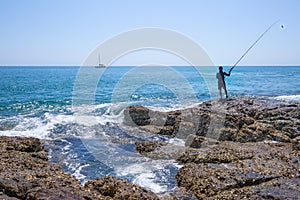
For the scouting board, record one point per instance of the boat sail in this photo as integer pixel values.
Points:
(100, 65)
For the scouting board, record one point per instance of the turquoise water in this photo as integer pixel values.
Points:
(37, 102)
(25, 90)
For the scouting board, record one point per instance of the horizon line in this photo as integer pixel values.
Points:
(277, 65)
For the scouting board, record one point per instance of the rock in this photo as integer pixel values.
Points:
(137, 114)
(240, 119)
(179, 193)
(118, 189)
(161, 130)
(26, 173)
(232, 166)
(60, 193)
(195, 141)
(5, 197)
(222, 152)
(282, 188)
(296, 143)
(159, 150)
(241, 148)
(24, 145)
(148, 146)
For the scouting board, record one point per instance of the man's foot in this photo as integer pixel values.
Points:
(226, 96)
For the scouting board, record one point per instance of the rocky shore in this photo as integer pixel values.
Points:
(26, 173)
(240, 148)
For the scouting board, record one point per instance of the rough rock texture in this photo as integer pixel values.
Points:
(179, 193)
(26, 173)
(241, 168)
(148, 146)
(241, 119)
(119, 189)
(159, 150)
(242, 148)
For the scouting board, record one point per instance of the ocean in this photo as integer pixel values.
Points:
(48, 103)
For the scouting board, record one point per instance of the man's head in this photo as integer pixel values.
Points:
(220, 68)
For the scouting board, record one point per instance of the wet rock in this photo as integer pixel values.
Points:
(23, 145)
(119, 189)
(137, 114)
(26, 173)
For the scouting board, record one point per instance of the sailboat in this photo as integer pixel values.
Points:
(100, 65)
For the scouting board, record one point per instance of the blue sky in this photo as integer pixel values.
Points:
(64, 32)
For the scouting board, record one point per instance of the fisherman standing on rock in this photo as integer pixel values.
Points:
(221, 75)
(221, 80)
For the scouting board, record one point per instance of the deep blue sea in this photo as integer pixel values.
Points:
(51, 102)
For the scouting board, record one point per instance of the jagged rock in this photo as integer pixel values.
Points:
(243, 147)
(241, 119)
(195, 141)
(282, 188)
(137, 114)
(148, 146)
(232, 166)
(179, 193)
(5, 197)
(24, 145)
(296, 143)
(159, 150)
(119, 189)
(162, 130)
(26, 173)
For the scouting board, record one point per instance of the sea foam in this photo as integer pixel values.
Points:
(288, 98)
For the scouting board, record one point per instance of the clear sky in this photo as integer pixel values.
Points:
(64, 32)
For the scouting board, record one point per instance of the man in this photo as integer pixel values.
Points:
(221, 81)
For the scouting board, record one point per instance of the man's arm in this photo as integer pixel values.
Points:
(226, 74)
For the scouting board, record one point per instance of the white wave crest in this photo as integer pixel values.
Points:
(38, 127)
(288, 98)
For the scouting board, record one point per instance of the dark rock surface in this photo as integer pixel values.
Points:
(242, 148)
(26, 173)
(118, 189)
(159, 150)
(241, 168)
(245, 119)
(148, 146)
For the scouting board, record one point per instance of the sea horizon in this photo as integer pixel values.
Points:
(39, 101)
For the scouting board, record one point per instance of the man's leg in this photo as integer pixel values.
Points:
(220, 90)
(225, 91)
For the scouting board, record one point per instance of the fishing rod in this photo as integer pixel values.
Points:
(253, 45)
